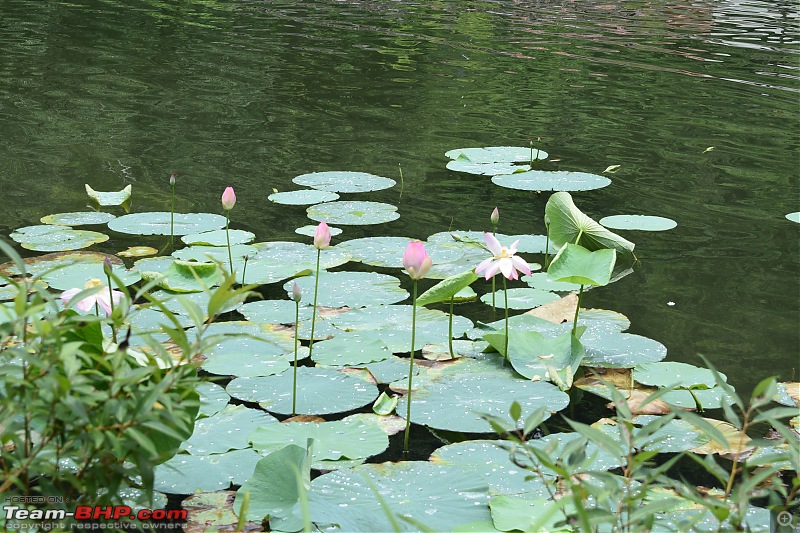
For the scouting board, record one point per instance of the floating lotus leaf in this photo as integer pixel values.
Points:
(468, 261)
(310, 230)
(449, 288)
(78, 219)
(153, 264)
(158, 223)
(143, 319)
(498, 154)
(270, 263)
(228, 429)
(675, 374)
(274, 311)
(440, 497)
(9, 292)
(566, 222)
(576, 264)
(353, 213)
(533, 244)
(696, 398)
(351, 289)
(621, 350)
(209, 254)
(248, 338)
(347, 439)
(350, 348)
(484, 169)
(388, 251)
(558, 445)
(36, 266)
(303, 197)
(392, 325)
(185, 474)
(521, 298)
(391, 369)
(638, 222)
(794, 217)
(551, 180)
(788, 394)
(539, 280)
(778, 456)
(600, 321)
(109, 198)
(454, 403)
(172, 301)
(213, 398)
(213, 510)
(384, 405)
(696, 518)
(533, 355)
(672, 437)
(138, 251)
(343, 181)
(440, 351)
(523, 513)
(218, 238)
(487, 459)
(320, 391)
(47, 238)
(76, 275)
(249, 365)
(186, 276)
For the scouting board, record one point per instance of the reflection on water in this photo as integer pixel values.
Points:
(253, 93)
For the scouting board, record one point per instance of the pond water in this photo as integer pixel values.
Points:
(254, 93)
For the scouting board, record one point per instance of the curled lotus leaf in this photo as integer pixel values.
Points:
(138, 251)
(568, 224)
(344, 181)
(109, 198)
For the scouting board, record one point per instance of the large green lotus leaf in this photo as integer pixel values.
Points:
(185, 474)
(344, 181)
(674, 374)
(349, 439)
(36, 266)
(174, 301)
(243, 364)
(213, 398)
(601, 321)
(566, 222)
(84, 218)
(533, 244)
(109, 198)
(275, 311)
(76, 275)
(690, 399)
(186, 276)
(264, 271)
(532, 354)
(303, 197)
(440, 497)
(151, 319)
(275, 489)
(539, 280)
(391, 369)
(525, 298)
(350, 348)
(496, 154)
(576, 264)
(448, 288)
(353, 213)
(48, 238)
(228, 429)
(788, 393)
(248, 338)
(218, 237)
(207, 254)
(794, 217)
(153, 264)
(320, 391)
(310, 230)
(440, 351)
(484, 169)
(388, 251)
(620, 350)
(523, 513)
(272, 257)
(489, 460)
(702, 519)
(523, 322)
(469, 260)
(158, 223)
(453, 403)
(551, 180)
(324, 328)
(638, 222)
(558, 445)
(392, 325)
(674, 436)
(778, 456)
(351, 289)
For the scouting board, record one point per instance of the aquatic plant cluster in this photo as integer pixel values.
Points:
(297, 394)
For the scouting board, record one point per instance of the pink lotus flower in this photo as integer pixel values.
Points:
(100, 298)
(297, 294)
(322, 236)
(503, 260)
(228, 199)
(416, 260)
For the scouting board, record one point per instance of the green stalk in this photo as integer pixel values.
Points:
(450, 330)
(411, 366)
(172, 214)
(505, 295)
(494, 289)
(577, 310)
(296, 335)
(244, 268)
(314, 309)
(546, 246)
(228, 238)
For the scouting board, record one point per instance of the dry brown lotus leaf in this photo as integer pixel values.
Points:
(637, 406)
(326, 312)
(737, 442)
(434, 352)
(793, 390)
(360, 373)
(138, 251)
(557, 312)
(213, 511)
(304, 418)
(620, 378)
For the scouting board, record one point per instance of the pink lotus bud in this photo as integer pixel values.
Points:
(172, 179)
(228, 199)
(416, 260)
(322, 237)
(495, 217)
(107, 266)
(296, 293)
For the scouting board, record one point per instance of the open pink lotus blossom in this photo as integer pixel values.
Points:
(322, 236)
(503, 260)
(100, 298)
(228, 199)
(416, 260)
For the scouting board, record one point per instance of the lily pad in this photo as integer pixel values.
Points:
(213, 510)
(109, 198)
(493, 160)
(351, 289)
(78, 219)
(218, 253)
(484, 169)
(270, 265)
(242, 364)
(539, 280)
(228, 429)
(567, 222)
(36, 266)
(320, 391)
(675, 374)
(185, 474)
(551, 180)
(621, 350)
(186, 276)
(310, 230)
(391, 369)
(520, 298)
(76, 276)
(344, 181)
(158, 223)
(219, 238)
(638, 222)
(48, 238)
(350, 348)
(303, 197)
(243, 339)
(213, 398)
(575, 264)
(794, 217)
(353, 213)
(174, 301)
(138, 251)
(388, 251)
(440, 497)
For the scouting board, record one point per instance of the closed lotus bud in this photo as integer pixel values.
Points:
(228, 199)
(495, 218)
(296, 293)
(107, 266)
(416, 260)
(322, 236)
(172, 179)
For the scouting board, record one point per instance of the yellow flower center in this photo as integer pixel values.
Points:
(92, 283)
(504, 254)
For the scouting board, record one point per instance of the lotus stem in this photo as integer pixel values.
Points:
(411, 365)
(450, 331)
(172, 214)
(546, 246)
(228, 238)
(577, 310)
(314, 309)
(244, 268)
(505, 296)
(111, 303)
(296, 335)
(494, 232)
